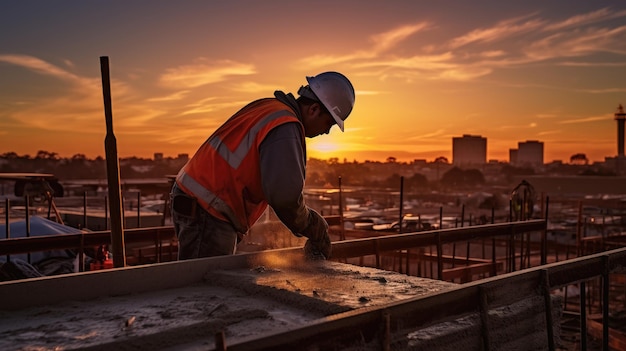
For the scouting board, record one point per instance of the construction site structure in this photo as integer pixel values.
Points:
(505, 285)
(620, 117)
(275, 300)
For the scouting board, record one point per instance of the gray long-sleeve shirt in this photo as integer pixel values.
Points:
(283, 170)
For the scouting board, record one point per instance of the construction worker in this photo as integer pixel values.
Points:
(255, 159)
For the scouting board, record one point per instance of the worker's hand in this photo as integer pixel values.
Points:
(316, 227)
(318, 246)
(318, 250)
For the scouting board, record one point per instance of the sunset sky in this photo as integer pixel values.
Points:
(424, 72)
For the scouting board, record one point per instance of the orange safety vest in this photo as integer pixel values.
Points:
(224, 175)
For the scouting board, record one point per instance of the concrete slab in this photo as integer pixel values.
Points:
(269, 295)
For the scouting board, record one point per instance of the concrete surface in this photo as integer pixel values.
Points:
(271, 295)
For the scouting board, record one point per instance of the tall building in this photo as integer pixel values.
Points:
(469, 150)
(529, 154)
(618, 163)
(620, 117)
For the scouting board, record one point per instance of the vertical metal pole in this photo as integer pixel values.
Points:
(85, 209)
(509, 239)
(467, 252)
(439, 258)
(583, 316)
(603, 233)
(49, 199)
(548, 306)
(579, 229)
(462, 214)
(27, 203)
(7, 217)
(139, 209)
(484, 317)
(512, 250)
(401, 214)
(106, 213)
(521, 252)
(524, 205)
(123, 210)
(220, 341)
(605, 302)
(113, 172)
(342, 232)
(544, 235)
(440, 217)
(454, 243)
(81, 253)
(430, 262)
(494, 269)
(439, 249)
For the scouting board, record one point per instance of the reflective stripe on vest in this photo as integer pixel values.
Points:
(234, 158)
(207, 196)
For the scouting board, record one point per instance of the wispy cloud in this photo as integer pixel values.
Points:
(426, 62)
(578, 43)
(501, 30)
(463, 73)
(203, 72)
(549, 132)
(592, 64)
(42, 67)
(382, 42)
(585, 119)
(79, 106)
(513, 42)
(587, 18)
(546, 115)
(603, 91)
(387, 40)
(177, 96)
(467, 57)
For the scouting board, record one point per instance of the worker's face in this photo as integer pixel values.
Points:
(317, 120)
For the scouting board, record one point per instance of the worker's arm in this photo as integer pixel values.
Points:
(282, 162)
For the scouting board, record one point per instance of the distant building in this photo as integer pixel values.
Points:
(616, 164)
(419, 162)
(469, 150)
(528, 154)
(513, 156)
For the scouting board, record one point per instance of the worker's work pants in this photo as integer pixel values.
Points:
(199, 233)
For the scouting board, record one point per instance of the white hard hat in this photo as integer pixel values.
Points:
(336, 92)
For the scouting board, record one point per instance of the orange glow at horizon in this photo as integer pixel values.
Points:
(423, 74)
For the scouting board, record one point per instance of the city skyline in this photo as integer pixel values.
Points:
(423, 73)
(470, 152)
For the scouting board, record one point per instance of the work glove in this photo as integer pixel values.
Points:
(318, 246)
